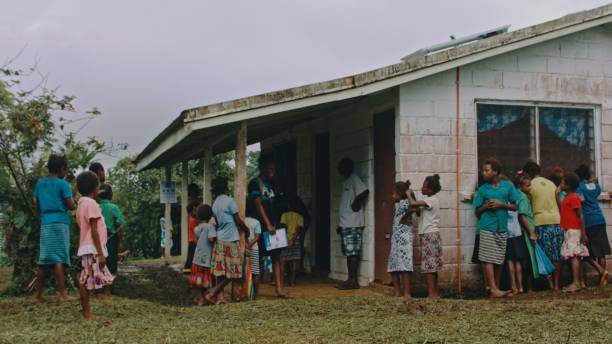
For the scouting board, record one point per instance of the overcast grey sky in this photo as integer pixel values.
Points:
(142, 62)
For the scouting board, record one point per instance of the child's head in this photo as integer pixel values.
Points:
(523, 182)
(219, 186)
(431, 185)
(87, 184)
(193, 192)
(346, 167)
(192, 208)
(399, 190)
(98, 169)
(583, 172)
(58, 165)
(532, 169)
(491, 169)
(570, 182)
(267, 166)
(106, 192)
(204, 212)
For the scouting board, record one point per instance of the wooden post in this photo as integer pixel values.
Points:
(184, 215)
(168, 216)
(207, 176)
(240, 185)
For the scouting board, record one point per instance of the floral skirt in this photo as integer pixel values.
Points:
(572, 247)
(92, 277)
(226, 260)
(431, 252)
(550, 238)
(400, 255)
(200, 276)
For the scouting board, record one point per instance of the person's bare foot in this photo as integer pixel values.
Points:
(498, 294)
(210, 299)
(603, 281)
(88, 316)
(514, 292)
(408, 297)
(66, 298)
(572, 288)
(435, 297)
(281, 295)
(39, 299)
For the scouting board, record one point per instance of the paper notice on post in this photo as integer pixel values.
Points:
(167, 192)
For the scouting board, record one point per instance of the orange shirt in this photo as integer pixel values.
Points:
(192, 224)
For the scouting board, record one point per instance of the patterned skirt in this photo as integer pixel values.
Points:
(226, 260)
(92, 277)
(254, 257)
(54, 244)
(492, 247)
(550, 238)
(400, 255)
(431, 252)
(292, 252)
(572, 247)
(200, 276)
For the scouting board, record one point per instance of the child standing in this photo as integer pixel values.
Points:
(400, 255)
(113, 218)
(294, 222)
(200, 269)
(165, 236)
(516, 253)
(572, 224)
(92, 241)
(227, 258)
(53, 197)
(429, 232)
(594, 223)
(525, 216)
(254, 227)
(192, 222)
(491, 204)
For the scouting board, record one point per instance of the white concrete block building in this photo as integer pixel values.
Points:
(542, 93)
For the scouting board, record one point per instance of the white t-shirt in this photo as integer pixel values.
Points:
(347, 218)
(254, 229)
(429, 221)
(514, 227)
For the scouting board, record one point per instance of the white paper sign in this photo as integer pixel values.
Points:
(276, 241)
(167, 192)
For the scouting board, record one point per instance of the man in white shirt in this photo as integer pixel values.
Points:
(351, 221)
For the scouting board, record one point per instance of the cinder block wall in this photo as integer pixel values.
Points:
(572, 69)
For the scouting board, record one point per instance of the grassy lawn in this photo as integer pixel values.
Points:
(155, 307)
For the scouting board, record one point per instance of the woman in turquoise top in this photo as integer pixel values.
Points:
(53, 197)
(491, 204)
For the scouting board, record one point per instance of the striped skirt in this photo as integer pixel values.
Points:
(54, 244)
(492, 247)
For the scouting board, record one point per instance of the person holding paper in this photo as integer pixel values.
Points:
(351, 220)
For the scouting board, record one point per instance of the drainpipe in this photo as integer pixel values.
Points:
(458, 177)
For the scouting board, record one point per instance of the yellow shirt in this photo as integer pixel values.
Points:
(292, 222)
(544, 202)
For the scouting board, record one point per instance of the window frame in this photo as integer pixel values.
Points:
(596, 108)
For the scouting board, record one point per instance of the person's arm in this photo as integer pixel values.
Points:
(558, 196)
(97, 243)
(254, 241)
(70, 204)
(359, 201)
(525, 222)
(413, 203)
(262, 213)
(583, 236)
(241, 225)
(495, 204)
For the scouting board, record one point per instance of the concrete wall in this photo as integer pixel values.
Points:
(572, 69)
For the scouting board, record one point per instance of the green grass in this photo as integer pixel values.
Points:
(155, 308)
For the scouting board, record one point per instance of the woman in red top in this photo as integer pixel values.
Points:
(572, 223)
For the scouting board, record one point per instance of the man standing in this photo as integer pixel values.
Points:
(351, 221)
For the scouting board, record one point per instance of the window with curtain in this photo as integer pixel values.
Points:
(564, 136)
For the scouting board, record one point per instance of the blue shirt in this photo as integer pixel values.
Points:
(50, 195)
(590, 207)
(224, 209)
(492, 220)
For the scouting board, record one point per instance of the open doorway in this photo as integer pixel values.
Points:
(322, 202)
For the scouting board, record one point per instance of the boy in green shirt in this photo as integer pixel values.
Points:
(113, 218)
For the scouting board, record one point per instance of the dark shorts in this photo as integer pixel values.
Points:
(352, 241)
(516, 249)
(599, 245)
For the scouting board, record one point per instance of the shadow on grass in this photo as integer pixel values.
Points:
(159, 284)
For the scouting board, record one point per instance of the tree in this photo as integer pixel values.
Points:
(33, 124)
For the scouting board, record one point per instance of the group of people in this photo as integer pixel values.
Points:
(559, 215)
(98, 219)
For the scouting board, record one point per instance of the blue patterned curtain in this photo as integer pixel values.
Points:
(568, 124)
(494, 117)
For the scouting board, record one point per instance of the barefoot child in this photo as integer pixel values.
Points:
(205, 235)
(572, 224)
(253, 245)
(192, 222)
(113, 219)
(294, 222)
(594, 223)
(491, 204)
(400, 255)
(525, 216)
(227, 258)
(429, 232)
(92, 241)
(53, 199)
(516, 253)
